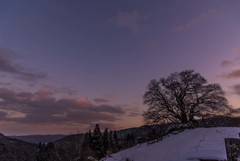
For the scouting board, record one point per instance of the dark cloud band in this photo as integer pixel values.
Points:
(42, 107)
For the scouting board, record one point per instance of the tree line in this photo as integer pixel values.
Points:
(101, 144)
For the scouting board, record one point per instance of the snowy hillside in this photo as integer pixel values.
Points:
(192, 145)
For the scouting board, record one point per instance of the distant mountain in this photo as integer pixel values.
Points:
(2, 136)
(38, 138)
(16, 150)
(70, 147)
(70, 138)
(53, 147)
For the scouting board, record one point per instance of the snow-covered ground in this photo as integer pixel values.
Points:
(190, 145)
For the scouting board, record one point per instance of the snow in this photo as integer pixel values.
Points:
(189, 145)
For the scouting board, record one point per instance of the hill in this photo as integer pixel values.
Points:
(190, 145)
(69, 147)
(38, 138)
(15, 150)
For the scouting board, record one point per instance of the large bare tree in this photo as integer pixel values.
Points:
(183, 97)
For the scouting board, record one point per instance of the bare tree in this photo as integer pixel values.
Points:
(183, 97)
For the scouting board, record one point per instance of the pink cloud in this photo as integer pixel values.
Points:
(233, 74)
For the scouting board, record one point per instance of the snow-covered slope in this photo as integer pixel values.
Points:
(190, 145)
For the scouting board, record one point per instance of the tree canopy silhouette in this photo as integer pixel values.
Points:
(183, 97)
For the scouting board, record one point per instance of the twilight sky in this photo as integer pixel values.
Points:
(68, 64)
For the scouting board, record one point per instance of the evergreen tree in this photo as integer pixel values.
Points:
(106, 141)
(87, 147)
(41, 154)
(97, 143)
(116, 143)
(88, 139)
(129, 141)
(46, 152)
(50, 151)
(111, 142)
(152, 134)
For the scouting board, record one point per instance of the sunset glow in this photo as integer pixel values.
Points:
(66, 65)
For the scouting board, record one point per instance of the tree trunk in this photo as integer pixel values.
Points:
(184, 118)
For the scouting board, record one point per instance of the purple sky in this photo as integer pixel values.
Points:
(67, 64)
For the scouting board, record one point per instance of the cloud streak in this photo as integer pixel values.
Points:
(7, 66)
(198, 21)
(61, 90)
(101, 100)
